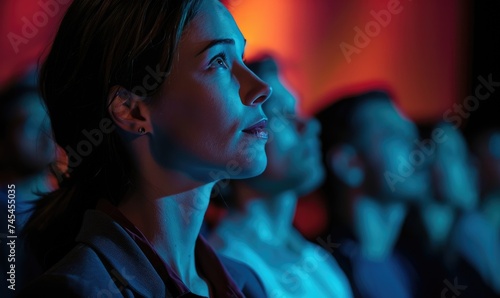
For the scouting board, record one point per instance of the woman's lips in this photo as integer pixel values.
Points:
(258, 129)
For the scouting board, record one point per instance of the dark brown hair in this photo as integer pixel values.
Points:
(100, 44)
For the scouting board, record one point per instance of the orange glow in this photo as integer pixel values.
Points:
(419, 52)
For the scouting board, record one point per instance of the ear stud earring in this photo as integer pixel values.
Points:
(141, 130)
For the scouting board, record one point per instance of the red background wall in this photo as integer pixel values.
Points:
(26, 28)
(421, 52)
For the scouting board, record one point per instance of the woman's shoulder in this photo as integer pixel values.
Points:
(81, 273)
(106, 262)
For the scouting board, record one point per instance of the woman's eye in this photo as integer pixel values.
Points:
(218, 62)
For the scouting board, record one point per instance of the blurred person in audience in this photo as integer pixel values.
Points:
(454, 185)
(27, 147)
(26, 151)
(149, 98)
(372, 179)
(453, 193)
(476, 240)
(258, 229)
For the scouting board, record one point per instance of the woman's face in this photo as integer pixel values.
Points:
(208, 120)
(387, 140)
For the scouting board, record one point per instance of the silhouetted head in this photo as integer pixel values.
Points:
(369, 146)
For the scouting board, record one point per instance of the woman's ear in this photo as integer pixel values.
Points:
(129, 111)
(345, 163)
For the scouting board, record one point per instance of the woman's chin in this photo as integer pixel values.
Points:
(252, 168)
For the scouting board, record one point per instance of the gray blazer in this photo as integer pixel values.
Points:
(107, 262)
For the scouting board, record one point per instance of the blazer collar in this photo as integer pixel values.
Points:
(131, 267)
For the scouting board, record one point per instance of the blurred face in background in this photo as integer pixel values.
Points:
(385, 141)
(453, 176)
(293, 149)
(454, 187)
(27, 146)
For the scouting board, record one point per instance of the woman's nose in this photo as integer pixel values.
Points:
(254, 91)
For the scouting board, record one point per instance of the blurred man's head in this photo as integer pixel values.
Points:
(293, 149)
(368, 146)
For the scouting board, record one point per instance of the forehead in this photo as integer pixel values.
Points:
(213, 21)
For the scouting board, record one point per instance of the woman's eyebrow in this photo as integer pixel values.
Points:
(212, 43)
(215, 42)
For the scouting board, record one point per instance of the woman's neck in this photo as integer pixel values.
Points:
(172, 224)
(377, 226)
